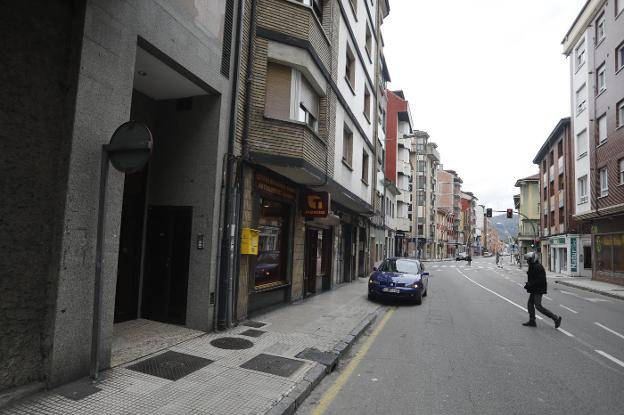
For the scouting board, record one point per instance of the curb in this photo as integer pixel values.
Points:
(593, 290)
(289, 403)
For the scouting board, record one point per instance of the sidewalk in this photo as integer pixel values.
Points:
(587, 284)
(290, 350)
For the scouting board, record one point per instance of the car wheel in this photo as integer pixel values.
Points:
(418, 300)
(371, 296)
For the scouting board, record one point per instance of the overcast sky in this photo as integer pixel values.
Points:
(486, 79)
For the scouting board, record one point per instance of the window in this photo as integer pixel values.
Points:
(545, 193)
(582, 189)
(619, 6)
(619, 56)
(620, 112)
(579, 54)
(367, 103)
(365, 167)
(552, 218)
(551, 158)
(350, 68)
(602, 129)
(277, 102)
(621, 165)
(581, 98)
(561, 215)
(560, 148)
(600, 28)
(604, 182)
(347, 146)
(354, 6)
(601, 79)
(289, 96)
(317, 6)
(560, 182)
(581, 144)
(369, 41)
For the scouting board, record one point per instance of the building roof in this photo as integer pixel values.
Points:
(582, 21)
(534, 178)
(552, 138)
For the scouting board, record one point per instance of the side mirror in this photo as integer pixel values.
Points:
(374, 268)
(424, 274)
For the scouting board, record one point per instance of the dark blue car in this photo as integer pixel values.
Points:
(400, 278)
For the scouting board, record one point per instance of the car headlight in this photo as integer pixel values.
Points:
(417, 284)
(373, 282)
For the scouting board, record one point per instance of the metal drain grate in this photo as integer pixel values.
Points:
(170, 365)
(232, 343)
(253, 333)
(275, 365)
(254, 324)
(324, 358)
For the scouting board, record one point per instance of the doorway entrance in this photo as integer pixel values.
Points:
(318, 248)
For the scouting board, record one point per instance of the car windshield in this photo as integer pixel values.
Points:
(405, 266)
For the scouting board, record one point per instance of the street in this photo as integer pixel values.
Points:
(464, 351)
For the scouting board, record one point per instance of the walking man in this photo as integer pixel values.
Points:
(536, 287)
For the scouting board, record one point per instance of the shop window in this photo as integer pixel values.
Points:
(618, 254)
(272, 256)
(604, 252)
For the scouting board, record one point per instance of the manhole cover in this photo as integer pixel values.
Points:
(253, 333)
(233, 343)
(170, 365)
(275, 365)
(78, 390)
(324, 358)
(255, 324)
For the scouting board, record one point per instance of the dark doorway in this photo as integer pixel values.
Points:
(130, 244)
(318, 254)
(587, 257)
(348, 257)
(167, 250)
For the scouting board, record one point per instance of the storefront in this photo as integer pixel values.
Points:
(608, 259)
(273, 203)
(561, 254)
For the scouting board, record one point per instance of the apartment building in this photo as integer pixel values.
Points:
(75, 71)
(479, 229)
(527, 205)
(564, 249)
(399, 138)
(468, 222)
(449, 198)
(594, 46)
(305, 145)
(425, 158)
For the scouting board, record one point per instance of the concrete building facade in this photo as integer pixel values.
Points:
(594, 45)
(74, 77)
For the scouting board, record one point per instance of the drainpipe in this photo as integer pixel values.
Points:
(225, 269)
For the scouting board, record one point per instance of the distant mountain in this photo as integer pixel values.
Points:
(505, 227)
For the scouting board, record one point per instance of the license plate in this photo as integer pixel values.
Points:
(391, 290)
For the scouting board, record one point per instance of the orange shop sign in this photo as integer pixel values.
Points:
(316, 205)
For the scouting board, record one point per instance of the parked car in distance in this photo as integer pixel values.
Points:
(487, 254)
(461, 256)
(399, 278)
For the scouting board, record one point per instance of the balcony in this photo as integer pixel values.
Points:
(551, 171)
(433, 152)
(560, 165)
(402, 224)
(295, 20)
(561, 198)
(404, 168)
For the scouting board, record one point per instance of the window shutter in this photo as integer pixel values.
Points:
(309, 98)
(226, 49)
(277, 102)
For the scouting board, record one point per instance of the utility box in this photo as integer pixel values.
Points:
(249, 241)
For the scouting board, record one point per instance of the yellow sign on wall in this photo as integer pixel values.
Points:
(249, 241)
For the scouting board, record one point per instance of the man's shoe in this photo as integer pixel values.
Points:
(557, 322)
(530, 323)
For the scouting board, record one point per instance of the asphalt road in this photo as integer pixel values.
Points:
(464, 351)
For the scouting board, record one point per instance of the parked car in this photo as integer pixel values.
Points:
(399, 278)
(462, 256)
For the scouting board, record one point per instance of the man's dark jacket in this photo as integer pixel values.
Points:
(537, 279)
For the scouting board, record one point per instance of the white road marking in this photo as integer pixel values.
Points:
(497, 294)
(548, 298)
(568, 308)
(567, 333)
(608, 356)
(609, 330)
(519, 285)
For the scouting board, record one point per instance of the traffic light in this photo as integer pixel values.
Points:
(509, 213)
(488, 212)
